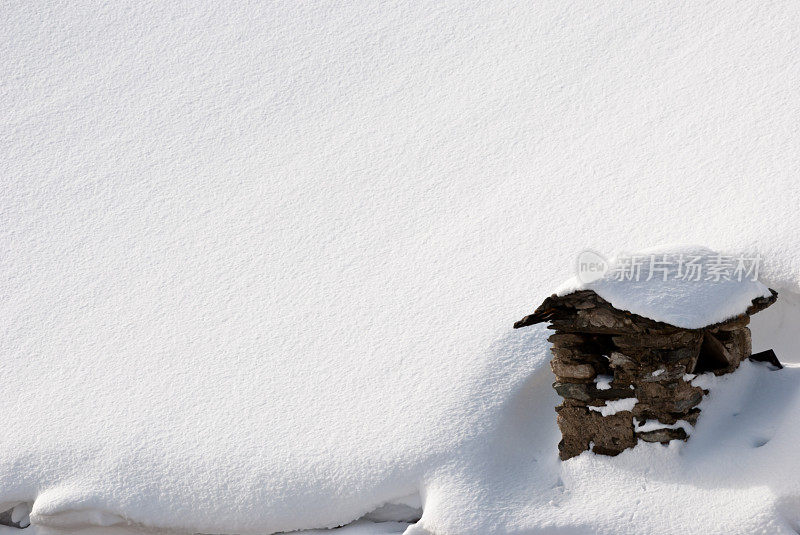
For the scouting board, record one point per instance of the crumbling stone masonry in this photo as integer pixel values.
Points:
(625, 377)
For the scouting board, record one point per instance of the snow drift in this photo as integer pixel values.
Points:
(260, 262)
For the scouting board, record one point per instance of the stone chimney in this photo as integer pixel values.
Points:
(625, 377)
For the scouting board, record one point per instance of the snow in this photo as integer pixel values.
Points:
(653, 425)
(603, 382)
(663, 289)
(260, 262)
(614, 406)
(704, 380)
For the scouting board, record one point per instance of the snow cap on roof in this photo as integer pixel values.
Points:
(686, 286)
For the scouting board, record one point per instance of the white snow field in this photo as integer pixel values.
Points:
(260, 261)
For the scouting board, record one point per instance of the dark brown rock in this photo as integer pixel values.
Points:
(692, 400)
(676, 396)
(738, 342)
(572, 370)
(738, 322)
(760, 303)
(643, 412)
(674, 340)
(580, 427)
(567, 340)
(588, 391)
(622, 361)
(768, 356)
(663, 374)
(663, 435)
(691, 417)
(716, 355)
(573, 391)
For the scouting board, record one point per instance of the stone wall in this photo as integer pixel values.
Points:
(624, 377)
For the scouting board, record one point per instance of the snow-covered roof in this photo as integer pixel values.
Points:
(686, 286)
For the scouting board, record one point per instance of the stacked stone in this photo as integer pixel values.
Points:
(617, 370)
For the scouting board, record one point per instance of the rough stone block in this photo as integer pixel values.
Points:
(581, 427)
(663, 435)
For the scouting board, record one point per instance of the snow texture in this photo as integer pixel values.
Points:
(614, 406)
(603, 382)
(235, 237)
